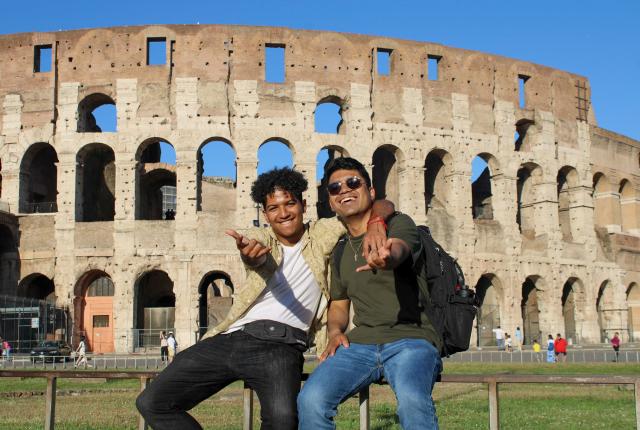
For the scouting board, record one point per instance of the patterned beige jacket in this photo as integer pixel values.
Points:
(318, 241)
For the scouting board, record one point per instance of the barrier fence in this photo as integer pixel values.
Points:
(492, 382)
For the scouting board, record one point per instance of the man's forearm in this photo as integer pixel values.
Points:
(337, 319)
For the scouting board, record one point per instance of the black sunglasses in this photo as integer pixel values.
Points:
(352, 182)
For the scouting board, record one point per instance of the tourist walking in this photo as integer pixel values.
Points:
(164, 346)
(615, 343)
(560, 346)
(551, 356)
(81, 353)
(6, 350)
(172, 346)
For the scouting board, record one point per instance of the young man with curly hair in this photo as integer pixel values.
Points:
(273, 317)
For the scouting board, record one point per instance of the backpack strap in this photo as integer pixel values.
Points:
(338, 250)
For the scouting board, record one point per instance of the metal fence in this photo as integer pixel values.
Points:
(573, 356)
(26, 322)
(144, 339)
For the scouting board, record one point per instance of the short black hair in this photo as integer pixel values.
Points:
(285, 179)
(347, 163)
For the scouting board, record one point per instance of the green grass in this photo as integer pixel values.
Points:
(96, 404)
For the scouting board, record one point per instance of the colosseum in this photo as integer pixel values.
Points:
(126, 244)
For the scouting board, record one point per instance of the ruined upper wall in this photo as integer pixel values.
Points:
(216, 55)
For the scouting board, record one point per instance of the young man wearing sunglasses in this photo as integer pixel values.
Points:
(391, 338)
(281, 305)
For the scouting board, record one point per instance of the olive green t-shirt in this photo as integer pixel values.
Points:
(385, 303)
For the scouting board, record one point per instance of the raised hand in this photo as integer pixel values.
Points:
(252, 252)
(379, 258)
(374, 239)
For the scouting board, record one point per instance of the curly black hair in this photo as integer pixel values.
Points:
(285, 179)
(347, 163)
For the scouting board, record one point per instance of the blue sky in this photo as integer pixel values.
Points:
(600, 40)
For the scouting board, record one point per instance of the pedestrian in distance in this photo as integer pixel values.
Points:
(560, 346)
(508, 342)
(551, 356)
(6, 350)
(536, 349)
(499, 333)
(172, 346)
(519, 338)
(615, 343)
(81, 354)
(164, 347)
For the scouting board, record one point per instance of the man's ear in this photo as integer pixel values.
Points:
(372, 193)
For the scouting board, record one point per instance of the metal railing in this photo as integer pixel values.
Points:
(40, 207)
(492, 382)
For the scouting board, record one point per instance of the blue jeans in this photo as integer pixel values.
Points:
(410, 366)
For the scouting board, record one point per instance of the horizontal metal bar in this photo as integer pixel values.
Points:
(474, 379)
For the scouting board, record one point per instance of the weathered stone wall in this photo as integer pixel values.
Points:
(213, 87)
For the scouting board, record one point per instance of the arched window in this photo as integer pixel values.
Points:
(607, 311)
(385, 179)
(525, 129)
(274, 153)
(97, 113)
(216, 176)
(101, 287)
(37, 286)
(529, 177)
(567, 182)
(530, 310)
(633, 311)
(481, 194)
(95, 183)
(38, 179)
(156, 196)
(328, 116)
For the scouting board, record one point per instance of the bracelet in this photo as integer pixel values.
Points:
(375, 220)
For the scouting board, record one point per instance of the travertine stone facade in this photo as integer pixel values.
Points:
(551, 237)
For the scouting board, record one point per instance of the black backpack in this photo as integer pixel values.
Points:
(448, 302)
(445, 298)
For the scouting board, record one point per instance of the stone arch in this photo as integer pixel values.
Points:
(9, 261)
(328, 115)
(481, 188)
(573, 310)
(39, 179)
(529, 177)
(93, 310)
(489, 292)
(530, 308)
(633, 311)
(154, 307)
(628, 215)
(87, 107)
(526, 130)
(215, 299)
(95, 183)
(216, 192)
(567, 182)
(37, 286)
(437, 183)
(607, 310)
(604, 201)
(156, 196)
(324, 157)
(387, 160)
(273, 146)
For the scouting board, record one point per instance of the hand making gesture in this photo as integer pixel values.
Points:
(252, 252)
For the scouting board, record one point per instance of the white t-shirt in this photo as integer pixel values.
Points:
(82, 348)
(291, 297)
(499, 333)
(171, 342)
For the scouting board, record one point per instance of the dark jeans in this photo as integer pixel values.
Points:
(164, 353)
(272, 369)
